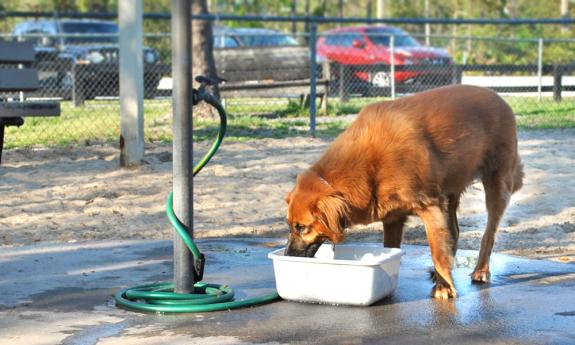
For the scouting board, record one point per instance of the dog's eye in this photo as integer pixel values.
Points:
(299, 228)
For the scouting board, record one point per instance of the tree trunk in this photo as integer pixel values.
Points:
(202, 44)
(256, 7)
(368, 13)
(307, 13)
(246, 7)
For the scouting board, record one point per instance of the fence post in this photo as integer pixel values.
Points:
(183, 166)
(392, 67)
(313, 77)
(539, 69)
(557, 76)
(78, 85)
(130, 17)
(456, 74)
(343, 74)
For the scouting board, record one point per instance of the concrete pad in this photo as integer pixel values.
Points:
(62, 294)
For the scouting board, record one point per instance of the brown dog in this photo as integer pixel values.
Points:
(412, 156)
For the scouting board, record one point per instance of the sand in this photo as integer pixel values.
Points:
(81, 194)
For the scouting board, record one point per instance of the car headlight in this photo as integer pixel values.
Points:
(95, 57)
(403, 52)
(149, 57)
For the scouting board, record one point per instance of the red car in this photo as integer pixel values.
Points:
(369, 45)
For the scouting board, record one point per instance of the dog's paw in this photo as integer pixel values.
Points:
(443, 291)
(480, 276)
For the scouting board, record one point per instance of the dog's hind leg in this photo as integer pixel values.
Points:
(453, 204)
(441, 244)
(498, 189)
(393, 233)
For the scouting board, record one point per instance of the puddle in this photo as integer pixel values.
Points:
(91, 335)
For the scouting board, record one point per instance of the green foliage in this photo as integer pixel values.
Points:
(406, 9)
(97, 5)
(64, 6)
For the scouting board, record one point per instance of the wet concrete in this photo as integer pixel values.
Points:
(55, 294)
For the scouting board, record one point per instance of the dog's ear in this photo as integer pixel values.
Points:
(333, 212)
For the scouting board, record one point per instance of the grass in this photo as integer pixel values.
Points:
(547, 114)
(99, 121)
(241, 128)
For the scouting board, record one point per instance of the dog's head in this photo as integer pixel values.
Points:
(316, 213)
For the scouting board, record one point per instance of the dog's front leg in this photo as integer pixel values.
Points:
(393, 232)
(441, 244)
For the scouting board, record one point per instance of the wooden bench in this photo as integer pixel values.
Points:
(17, 77)
(268, 72)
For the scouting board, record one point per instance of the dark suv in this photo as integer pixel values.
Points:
(64, 48)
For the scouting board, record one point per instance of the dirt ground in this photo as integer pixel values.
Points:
(81, 194)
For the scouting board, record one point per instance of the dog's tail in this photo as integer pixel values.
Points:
(518, 177)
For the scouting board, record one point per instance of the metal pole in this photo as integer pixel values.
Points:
(380, 9)
(313, 77)
(184, 273)
(565, 14)
(318, 19)
(539, 69)
(392, 67)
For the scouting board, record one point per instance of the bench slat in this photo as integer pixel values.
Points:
(263, 63)
(14, 109)
(17, 52)
(25, 79)
(272, 85)
(279, 89)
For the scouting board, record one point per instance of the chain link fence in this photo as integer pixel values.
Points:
(81, 71)
(270, 74)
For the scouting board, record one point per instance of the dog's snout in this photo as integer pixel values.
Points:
(297, 247)
(294, 247)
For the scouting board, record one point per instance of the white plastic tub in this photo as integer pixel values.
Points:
(356, 274)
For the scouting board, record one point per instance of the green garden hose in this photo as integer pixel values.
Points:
(160, 297)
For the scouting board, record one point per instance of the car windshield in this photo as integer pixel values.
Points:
(267, 40)
(109, 32)
(380, 37)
